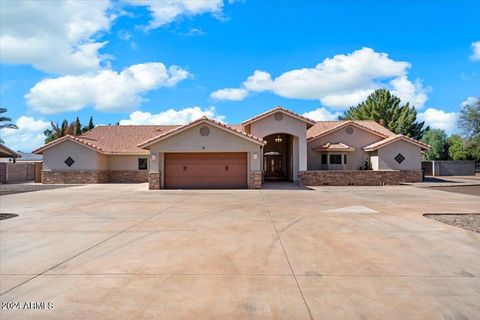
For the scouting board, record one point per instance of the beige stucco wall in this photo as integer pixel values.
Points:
(218, 140)
(85, 158)
(289, 125)
(355, 159)
(412, 154)
(124, 162)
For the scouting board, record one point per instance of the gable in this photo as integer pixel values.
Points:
(204, 137)
(349, 134)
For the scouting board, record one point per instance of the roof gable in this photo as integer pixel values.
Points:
(392, 139)
(6, 152)
(204, 119)
(323, 128)
(292, 114)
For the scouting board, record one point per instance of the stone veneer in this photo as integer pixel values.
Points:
(154, 180)
(127, 176)
(357, 177)
(255, 180)
(74, 176)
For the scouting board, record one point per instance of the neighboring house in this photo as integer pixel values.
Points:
(277, 144)
(20, 167)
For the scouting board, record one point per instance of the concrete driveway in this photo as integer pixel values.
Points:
(123, 252)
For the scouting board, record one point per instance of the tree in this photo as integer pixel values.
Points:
(473, 149)
(74, 128)
(469, 120)
(456, 148)
(5, 122)
(386, 108)
(437, 139)
(90, 125)
(77, 129)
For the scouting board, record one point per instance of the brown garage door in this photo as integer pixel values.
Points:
(205, 170)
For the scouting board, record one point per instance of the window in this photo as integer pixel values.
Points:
(324, 159)
(142, 163)
(69, 161)
(335, 159)
(399, 158)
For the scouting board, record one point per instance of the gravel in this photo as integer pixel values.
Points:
(469, 221)
(12, 188)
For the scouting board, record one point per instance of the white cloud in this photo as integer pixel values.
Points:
(343, 80)
(232, 94)
(476, 51)
(164, 12)
(470, 100)
(322, 114)
(439, 119)
(259, 81)
(105, 90)
(54, 36)
(28, 136)
(172, 116)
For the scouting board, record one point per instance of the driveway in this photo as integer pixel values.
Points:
(123, 252)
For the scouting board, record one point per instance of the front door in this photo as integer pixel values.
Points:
(273, 166)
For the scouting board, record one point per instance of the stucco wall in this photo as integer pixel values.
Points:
(412, 154)
(355, 159)
(124, 162)
(452, 167)
(85, 158)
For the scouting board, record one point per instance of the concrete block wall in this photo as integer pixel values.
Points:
(450, 167)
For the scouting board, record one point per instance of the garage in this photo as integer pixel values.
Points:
(212, 170)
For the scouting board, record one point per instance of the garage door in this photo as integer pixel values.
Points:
(205, 170)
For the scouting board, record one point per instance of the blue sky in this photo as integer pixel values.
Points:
(146, 62)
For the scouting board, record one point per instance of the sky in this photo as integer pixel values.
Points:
(164, 62)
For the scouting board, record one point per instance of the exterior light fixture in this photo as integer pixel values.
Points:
(278, 139)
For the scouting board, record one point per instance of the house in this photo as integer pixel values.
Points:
(19, 166)
(277, 144)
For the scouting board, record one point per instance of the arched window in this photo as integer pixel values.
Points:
(272, 153)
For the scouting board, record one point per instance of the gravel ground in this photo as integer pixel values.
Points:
(466, 221)
(12, 188)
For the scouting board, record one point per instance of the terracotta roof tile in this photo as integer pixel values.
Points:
(335, 147)
(115, 139)
(279, 108)
(322, 127)
(393, 138)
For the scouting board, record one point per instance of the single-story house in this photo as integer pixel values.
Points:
(277, 144)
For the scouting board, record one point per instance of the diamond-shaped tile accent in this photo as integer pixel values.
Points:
(69, 161)
(399, 158)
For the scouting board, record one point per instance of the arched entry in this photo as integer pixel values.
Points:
(278, 157)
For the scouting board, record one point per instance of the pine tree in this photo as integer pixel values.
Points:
(90, 124)
(77, 129)
(386, 108)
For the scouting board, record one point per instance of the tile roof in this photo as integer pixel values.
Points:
(27, 157)
(323, 127)
(191, 124)
(6, 152)
(384, 142)
(335, 147)
(115, 139)
(281, 109)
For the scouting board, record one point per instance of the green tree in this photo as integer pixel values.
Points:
(77, 129)
(473, 149)
(456, 148)
(437, 139)
(469, 120)
(386, 108)
(90, 125)
(5, 122)
(65, 128)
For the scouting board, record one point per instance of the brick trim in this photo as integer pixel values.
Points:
(357, 177)
(154, 180)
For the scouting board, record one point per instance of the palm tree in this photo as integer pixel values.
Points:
(8, 124)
